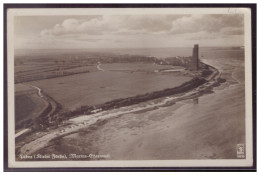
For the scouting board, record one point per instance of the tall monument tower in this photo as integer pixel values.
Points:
(195, 58)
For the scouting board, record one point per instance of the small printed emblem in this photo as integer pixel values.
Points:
(240, 151)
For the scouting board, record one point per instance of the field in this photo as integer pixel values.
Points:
(118, 80)
(136, 67)
(37, 71)
(28, 106)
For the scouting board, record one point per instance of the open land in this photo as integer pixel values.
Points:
(103, 86)
(28, 106)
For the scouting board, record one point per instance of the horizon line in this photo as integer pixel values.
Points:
(122, 48)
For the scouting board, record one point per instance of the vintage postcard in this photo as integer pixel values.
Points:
(129, 87)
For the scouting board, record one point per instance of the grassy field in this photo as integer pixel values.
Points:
(99, 87)
(141, 67)
(28, 105)
(36, 71)
(24, 106)
(22, 88)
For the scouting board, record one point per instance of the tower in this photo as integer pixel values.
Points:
(195, 58)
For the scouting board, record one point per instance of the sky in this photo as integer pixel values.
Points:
(128, 31)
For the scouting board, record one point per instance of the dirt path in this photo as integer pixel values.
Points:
(21, 132)
(99, 68)
(39, 90)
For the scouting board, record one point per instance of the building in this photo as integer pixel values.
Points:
(194, 64)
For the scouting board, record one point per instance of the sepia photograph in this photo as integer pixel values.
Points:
(129, 87)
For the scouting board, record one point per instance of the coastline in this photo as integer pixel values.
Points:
(75, 124)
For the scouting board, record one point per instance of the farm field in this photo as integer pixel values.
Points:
(102, 86)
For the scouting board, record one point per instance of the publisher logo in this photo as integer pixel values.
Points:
(240, 151)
